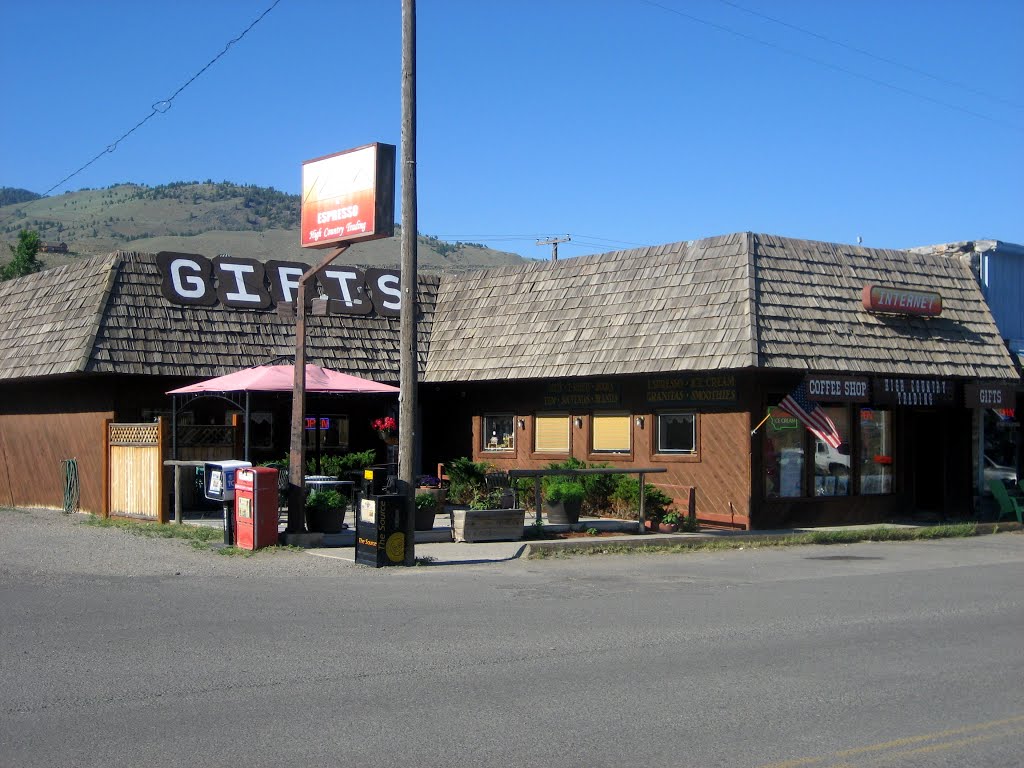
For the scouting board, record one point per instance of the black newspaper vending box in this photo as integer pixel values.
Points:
(380, 522)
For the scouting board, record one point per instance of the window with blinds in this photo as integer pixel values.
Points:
(551, 433)
(611, 433)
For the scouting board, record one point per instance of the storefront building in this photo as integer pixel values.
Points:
(675, 356)
(679, 357)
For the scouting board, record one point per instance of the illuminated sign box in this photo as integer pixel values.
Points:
(901, 301)
(349, 197)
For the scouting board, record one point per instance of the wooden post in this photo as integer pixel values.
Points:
(177, 494)
(297, 452)
(408, 362)
(643, 502)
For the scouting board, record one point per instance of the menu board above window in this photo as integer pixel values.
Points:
(714, 389)
(581, 394)
(904, 391)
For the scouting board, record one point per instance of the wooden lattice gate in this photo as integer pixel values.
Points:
(135, 470)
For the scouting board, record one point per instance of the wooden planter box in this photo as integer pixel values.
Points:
(488, 524)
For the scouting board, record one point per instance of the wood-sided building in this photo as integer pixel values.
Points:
(98, 341)
(679, 355)
(674, 356)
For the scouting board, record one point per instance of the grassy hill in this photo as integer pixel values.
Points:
(202, 217)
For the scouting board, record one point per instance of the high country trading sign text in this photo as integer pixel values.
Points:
(901, 301)
(349, 197)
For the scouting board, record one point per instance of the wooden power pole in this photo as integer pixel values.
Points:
(407, 413)
(553, 242)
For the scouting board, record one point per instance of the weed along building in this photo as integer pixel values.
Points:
(710, 358)
(672, 356)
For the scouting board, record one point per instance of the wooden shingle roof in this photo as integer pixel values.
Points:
(810, 315)
(48, 320)
(732, 302)
(108, 315)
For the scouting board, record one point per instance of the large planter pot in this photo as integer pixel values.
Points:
(563, 512)
(425, 519)
(488, 524)
(324, 520)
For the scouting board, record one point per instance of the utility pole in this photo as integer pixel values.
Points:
(407, 412)
(297, 451)
(553, 242)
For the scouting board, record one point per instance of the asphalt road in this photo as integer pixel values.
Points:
(124, 651)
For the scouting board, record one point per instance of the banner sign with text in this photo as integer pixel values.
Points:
(194, 280)
(998, 396)
(901, 301)
(838, 389)
(903, 391)
(713, 389)
(581, 394)
(348, 197)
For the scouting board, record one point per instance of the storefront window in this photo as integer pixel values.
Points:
(875, 451)
(611, 433)
(551, 433)
(677, 433)
(333, 430)
(832, 465)
(783, 455)
(499, 432)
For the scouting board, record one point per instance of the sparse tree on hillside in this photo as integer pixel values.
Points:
(24, 261)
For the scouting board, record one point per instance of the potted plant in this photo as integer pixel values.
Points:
(431, 485)
(669, 522)
(325, 511)
(563, 499)
(387, 428)
(486, 520)
(426, 509)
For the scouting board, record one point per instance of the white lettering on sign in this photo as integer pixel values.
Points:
(191, 286)
(238, 272)
(823, 388)
(388, 285)
(243, 283)
(348, 212)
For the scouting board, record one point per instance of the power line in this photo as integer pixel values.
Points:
(160, 107)
(829, 65)
(869, 54)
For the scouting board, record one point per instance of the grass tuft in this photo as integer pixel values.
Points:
(957, 530)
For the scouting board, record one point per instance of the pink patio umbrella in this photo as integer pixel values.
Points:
(275, 378)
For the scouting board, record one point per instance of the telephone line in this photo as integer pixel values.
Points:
(160, 107)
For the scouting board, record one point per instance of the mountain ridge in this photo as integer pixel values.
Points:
(208, 218)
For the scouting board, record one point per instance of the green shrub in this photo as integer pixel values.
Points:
(339, 466)
(484, 499)
(565, 490)
(426, 501)
(626, 499)
(465, 479)
(325, 499)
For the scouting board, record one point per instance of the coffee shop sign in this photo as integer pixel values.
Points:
(194, 280)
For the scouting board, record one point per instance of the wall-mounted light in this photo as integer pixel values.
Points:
(640, 421)
(578, 421)
(522, 423)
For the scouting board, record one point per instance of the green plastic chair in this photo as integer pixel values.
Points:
(1008, 505)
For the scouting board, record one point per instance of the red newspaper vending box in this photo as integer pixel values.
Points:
(255, 507)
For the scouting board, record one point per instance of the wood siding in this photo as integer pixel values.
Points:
(32, 449)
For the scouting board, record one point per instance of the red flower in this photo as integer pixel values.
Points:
(386, 424)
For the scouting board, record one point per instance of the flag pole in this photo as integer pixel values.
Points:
(754, 430)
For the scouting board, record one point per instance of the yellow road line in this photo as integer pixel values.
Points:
(904, 742)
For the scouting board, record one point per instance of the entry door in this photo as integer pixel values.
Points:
(927, 441)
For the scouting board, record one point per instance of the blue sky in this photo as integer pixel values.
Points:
(617, 122)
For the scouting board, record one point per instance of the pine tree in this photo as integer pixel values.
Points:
(24, 253)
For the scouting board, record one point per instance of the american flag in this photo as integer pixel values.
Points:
(812, 415)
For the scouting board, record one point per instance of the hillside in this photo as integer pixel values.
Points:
(202, 217)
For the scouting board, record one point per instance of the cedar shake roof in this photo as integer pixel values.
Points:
(108, 315)
(677, 307)
(732, 302)
(48, 320)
